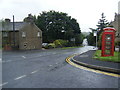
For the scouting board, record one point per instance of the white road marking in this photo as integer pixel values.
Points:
(50, 65)
(9, 61)
(34, 71)
(20, 77)
(0, 59)
(54, 53)
(4, 84)
(40, 55)
(23, 56)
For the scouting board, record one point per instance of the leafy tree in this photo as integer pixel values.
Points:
(99, 43)
(79, 39)
(103, 23)
(57, 25)
(5, 40)
(91, 39)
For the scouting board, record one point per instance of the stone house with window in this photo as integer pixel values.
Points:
(21, 35)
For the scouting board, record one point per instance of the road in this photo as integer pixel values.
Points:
(48, 69)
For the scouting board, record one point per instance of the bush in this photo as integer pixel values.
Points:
(71, 44)
(99, 42)
(79, 39)
(117, 43)
(50, 45)
(60, 43)
(91, 39)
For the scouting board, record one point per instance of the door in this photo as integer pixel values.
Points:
(108, 44)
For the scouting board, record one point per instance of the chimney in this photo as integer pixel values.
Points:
(7, 20)
(29, 19)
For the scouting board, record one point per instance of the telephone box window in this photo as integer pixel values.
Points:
(108, 47)
(108, 43)
(107, 52)
(108, 37)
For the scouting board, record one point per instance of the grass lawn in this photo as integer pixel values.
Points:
(72, 47)
(115, 58)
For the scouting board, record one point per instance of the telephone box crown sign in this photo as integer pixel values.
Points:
(109, 29)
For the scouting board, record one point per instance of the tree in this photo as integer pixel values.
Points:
(79, 39)
(57, 25)
(91, 39)
(5, 40)
(102, 23)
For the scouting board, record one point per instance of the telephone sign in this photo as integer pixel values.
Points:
(108, 37)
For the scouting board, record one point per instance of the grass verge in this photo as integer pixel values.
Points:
(115, 58)
(72, 47)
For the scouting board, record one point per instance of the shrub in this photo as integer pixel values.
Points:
(57, 43)
(99, 42)
(50, 45)
(60, 43)
(79, 39)
(71, 44)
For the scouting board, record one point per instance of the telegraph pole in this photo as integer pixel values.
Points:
(13, 31)
(96, 38)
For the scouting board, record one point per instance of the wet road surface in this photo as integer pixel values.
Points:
(48, 69)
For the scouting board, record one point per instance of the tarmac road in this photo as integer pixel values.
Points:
(48, 69)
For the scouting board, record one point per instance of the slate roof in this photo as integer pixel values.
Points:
(9, 26)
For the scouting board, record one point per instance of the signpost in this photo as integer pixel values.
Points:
(95, 34)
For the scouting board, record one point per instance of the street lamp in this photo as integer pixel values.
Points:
(95, 34)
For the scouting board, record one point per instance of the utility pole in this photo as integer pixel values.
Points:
(95, 34)
(13, 31)
(96, 37)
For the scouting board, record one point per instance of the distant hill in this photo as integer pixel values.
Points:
(85, 33)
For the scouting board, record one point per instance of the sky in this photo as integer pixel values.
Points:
(87, 12)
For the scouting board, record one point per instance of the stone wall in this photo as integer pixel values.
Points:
(9, 39)
(28, 37)
(116, 25)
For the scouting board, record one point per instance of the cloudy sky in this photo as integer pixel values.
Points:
(87, 12)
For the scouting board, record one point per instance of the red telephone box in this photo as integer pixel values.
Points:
(108, 37)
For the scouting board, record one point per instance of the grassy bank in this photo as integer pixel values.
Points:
(115, 58)
(72, 47)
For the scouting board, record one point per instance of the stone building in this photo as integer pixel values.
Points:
(21, 35)
(116, 25)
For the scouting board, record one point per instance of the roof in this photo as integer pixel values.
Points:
(109, 28)
(9, 26)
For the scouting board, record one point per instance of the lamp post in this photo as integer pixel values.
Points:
(95, 34)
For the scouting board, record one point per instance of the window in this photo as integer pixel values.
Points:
(23, 34)
(5, 34)
(38, 34)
